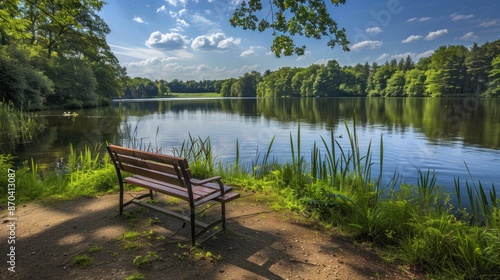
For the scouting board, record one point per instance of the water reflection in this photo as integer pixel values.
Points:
(436, 133)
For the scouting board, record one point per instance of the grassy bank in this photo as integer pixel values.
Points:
(416, 225)
(17, 127)
(194, 94)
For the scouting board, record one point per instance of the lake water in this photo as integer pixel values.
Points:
(444, 135)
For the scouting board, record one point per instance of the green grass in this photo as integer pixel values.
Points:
(194, 94)
(17, 127)
(414, 224)
(82, 260)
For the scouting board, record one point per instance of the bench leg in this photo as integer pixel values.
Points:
(193, 227)
(121, 199)
(223, 210)
(151, 194)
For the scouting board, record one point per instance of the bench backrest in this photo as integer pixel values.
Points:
(165, 168)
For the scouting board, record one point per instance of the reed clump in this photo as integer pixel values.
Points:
(84, 172)
(17, 127)
(419, 225)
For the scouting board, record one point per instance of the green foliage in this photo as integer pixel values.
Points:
(416, 223)
(86, 173)
(17, 127)
(450, 71)
(82, 260)
(95, 249)
(291, 18)
(144, 261)
(56, 54)
(20, 82)
(395, 84)
(494, 78)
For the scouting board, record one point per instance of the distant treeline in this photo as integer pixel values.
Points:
(449, 71)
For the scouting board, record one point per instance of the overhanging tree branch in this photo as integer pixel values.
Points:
(307, 18)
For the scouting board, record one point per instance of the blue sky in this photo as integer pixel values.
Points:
(193, 40)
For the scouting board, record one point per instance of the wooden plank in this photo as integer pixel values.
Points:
(148, 164)
(198, 190)
(162, 177)
(145, 155)
(227, 197)
(179, 193)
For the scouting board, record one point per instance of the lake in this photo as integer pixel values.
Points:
(450, 136)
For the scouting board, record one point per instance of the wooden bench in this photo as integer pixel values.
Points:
(171, 176)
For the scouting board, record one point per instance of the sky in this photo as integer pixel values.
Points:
(193, 39)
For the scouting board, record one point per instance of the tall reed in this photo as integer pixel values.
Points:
(17, 127)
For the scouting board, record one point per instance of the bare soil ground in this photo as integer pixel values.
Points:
(260, 243)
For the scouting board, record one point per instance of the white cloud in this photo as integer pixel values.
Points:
(182, 12)
(228, 43)
(175, 2)
(424, 54)
(138, 19)
(167, 41)
(374, 30)
(412, 38)
(138, 53)
(470, 36)
(181, 23)
(488, 23)
(435, 34)
(158, 68)
(419, 19)
(457, 17)
(202, 21)
(366, 45)
(150, 62)
(218, 41)
(251, 51)
(237, 72)
(162, 9)
(403, 55)
(382, 57)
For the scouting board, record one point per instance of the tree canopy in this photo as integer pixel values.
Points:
(290, 18)
(55, 53)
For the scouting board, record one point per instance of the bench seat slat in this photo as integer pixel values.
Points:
(161, 188)
(147, 164)
(199, 193)
(145, 155)
(200, 190)
(160, 176)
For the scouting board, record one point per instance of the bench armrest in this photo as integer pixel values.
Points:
(204, 181)
(217, 179)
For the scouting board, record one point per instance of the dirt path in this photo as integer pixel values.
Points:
(260, 243)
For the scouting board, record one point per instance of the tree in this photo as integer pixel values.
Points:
(380, 78)
(396, 84)
(163, 88)
(478, 66)
(20, 82)
(12, 25)
(494, 78)
(415, 82)
(448, 75)
(226, 87)
(408, 64)
(289, 18)
(321, 85)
